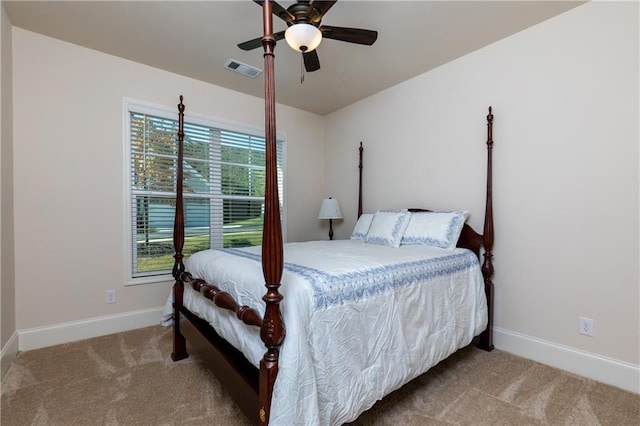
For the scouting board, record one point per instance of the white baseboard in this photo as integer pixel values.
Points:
(8, 354)
(56, 334)
(617, 373)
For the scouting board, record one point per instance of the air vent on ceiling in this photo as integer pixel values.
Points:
(243, 69)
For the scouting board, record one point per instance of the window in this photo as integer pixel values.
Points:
(224, 175)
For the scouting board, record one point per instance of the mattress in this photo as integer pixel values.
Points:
(361, 319)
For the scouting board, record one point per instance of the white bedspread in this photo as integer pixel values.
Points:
(381, 317)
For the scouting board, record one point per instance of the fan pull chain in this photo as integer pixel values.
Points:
(301, 68)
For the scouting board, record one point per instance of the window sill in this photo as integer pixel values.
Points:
(154, 279)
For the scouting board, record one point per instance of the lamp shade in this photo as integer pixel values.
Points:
(330, 209)
(303, 37)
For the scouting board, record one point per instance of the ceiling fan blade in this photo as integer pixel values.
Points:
(350, 35)
(322, 7)
(279, 11)
(257, 42)
(311, 61)
(251, 44)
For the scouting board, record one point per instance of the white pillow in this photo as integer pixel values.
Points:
(362, 226)
(438, 229)
(387, 227)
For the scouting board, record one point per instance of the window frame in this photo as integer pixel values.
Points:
(162, 111)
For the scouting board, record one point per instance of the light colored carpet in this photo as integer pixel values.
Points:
(129, 379)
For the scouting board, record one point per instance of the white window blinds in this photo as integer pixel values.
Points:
(224, 176)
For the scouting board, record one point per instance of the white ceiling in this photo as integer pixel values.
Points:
(196, 38)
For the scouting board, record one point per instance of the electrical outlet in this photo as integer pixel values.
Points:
(111, 296)
(585, 326)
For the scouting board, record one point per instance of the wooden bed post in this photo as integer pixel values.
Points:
(486, 337)
(360, 150)
(179, 342)
(272, 331)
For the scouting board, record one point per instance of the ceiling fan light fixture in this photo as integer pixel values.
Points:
(303, 37)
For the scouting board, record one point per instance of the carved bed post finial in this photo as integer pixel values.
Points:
(361, 149)
(179, 342)
(272, 331)
(486, 338)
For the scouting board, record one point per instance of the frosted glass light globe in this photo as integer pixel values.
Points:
(303, 37)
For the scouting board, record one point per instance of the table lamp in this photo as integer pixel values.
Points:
(330, 209)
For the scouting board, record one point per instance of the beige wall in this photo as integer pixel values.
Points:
(7, 283)
(565, 98)
(69, 178)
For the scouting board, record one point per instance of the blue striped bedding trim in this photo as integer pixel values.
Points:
(329, 289)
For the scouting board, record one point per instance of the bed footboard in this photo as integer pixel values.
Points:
(223, 300)
(236, 374)
(272, 330)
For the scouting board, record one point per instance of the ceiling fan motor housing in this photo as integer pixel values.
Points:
(304, 14)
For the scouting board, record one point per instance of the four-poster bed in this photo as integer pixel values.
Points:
(333, 311)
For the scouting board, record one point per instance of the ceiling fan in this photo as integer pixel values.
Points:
(304, 32)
